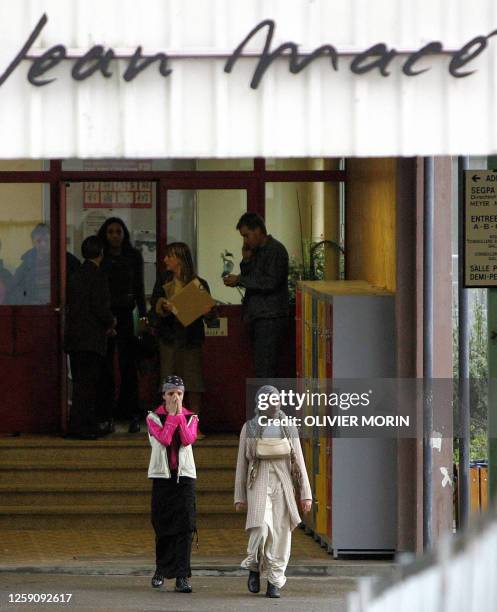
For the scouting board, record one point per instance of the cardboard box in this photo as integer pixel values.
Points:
(191, 302)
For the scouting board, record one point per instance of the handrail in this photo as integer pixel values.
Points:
(448, 548)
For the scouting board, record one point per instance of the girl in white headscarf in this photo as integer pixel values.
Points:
(266, 488)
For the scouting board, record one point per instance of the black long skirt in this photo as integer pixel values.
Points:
(174, 521)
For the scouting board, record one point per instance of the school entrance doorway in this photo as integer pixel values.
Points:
(195, 201)
(203, 214)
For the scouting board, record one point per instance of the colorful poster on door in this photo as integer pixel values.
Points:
(118, 194)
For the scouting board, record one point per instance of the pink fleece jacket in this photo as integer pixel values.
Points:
(165, 434)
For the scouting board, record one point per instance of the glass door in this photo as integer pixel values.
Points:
(88, 204)
(29, 310)
(206, 219)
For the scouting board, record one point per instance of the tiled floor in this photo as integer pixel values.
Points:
(47, 546)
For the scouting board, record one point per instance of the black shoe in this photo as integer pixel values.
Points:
(272, 591)
(254, 583)
(134, 426)
(157, 579)
(106, 428)
(182, 585)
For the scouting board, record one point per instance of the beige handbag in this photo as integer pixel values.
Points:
(272, 448)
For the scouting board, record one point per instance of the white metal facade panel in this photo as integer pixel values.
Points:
(199, 111)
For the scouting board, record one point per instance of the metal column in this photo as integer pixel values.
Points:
(492, 378)
(463, 357)
(428, 216)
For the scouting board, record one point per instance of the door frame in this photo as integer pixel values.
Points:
(230, 311)
(163, 186)
(198, 183)
(58, 193)
(44, 314)
(252, 180)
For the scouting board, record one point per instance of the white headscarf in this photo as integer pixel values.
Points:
(254, 429)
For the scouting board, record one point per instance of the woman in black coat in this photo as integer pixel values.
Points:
(123, 265)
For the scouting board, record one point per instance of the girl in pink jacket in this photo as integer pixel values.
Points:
(172, 430)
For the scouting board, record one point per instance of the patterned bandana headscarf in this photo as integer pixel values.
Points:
(173, 382)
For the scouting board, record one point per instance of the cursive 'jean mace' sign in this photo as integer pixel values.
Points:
(378, 57)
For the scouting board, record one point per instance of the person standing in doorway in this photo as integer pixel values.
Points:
(264, 275)
(89, 324)
(123, 265)
(180, 347)
(31, 283)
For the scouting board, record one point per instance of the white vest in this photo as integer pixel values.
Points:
(159, 465)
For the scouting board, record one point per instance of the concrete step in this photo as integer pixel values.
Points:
(90, 473)
(129, 517)
(137, 454)
(49, 482)
(104, 496)
(27, 441)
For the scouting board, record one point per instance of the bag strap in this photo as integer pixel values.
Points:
(288, 437)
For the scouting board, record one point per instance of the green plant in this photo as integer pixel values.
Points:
(478, 374)
(301, 270)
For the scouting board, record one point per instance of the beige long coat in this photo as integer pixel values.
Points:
(255, 497)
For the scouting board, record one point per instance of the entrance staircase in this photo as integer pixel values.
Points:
(52, 483)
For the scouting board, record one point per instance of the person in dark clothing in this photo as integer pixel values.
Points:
(72, 265)
(172, 430)
(264, 274)
(123, 265)
(5, 283)
(89, 323)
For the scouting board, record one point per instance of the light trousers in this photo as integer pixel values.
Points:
(269, 545)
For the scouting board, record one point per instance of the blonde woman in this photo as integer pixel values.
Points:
(265, 487)
(180, 347)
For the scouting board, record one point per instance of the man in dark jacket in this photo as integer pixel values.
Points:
(264, 274)
(89, 322)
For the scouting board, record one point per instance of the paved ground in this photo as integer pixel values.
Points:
(112, 570)
(210, 593)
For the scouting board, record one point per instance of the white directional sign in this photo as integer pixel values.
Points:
(480, 229)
